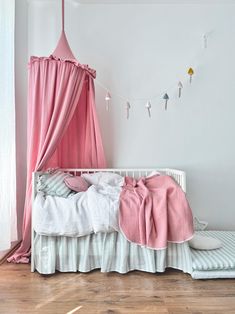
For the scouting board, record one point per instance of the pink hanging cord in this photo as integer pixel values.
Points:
(62, 15)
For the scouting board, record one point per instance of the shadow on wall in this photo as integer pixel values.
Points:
(214, 186)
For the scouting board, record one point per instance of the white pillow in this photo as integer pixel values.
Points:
(153, 173)
(99, 178)
(199, 242)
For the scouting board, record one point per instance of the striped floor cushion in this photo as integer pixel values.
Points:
(218, 263)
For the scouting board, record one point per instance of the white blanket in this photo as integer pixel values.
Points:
(95, 210)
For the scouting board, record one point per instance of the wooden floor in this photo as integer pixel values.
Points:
(95, 292)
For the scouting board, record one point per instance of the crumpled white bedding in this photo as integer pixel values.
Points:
(95, 210)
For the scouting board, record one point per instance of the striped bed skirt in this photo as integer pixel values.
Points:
(112, 252)
(107, 252)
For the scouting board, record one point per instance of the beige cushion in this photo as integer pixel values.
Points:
(199, 242)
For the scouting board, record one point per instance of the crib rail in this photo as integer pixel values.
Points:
(178, 175)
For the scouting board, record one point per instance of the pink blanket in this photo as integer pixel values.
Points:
(154, 211)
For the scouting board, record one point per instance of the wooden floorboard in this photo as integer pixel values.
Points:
(111, 293)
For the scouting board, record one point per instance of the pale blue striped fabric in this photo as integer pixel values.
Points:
(108, 252)
(213, 274)
(220, 259)
(53, 184)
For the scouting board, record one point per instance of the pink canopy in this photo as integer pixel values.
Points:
(63, 129)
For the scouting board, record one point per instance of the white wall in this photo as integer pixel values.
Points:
(139, 51)
(21, 59)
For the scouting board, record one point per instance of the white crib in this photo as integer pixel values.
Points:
(49, 254)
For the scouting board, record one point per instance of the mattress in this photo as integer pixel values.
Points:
(218, 263)
(107, 252)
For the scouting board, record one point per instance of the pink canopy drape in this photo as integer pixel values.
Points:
(63, 129)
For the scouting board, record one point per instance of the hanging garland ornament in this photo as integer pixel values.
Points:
(148, 107)
(128, 107)
(180, 86)
(108, 99)
(190, 73)
(166, 97)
